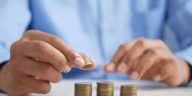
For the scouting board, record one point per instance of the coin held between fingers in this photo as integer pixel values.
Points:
(88, 62)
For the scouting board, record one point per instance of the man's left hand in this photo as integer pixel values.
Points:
(149, 59)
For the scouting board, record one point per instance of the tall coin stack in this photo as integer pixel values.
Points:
(128, 90)
(105, 88)
(83, 89)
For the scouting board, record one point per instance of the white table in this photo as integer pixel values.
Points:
(66, 88)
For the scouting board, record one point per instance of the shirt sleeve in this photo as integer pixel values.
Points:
(14, 20)
(179, 21)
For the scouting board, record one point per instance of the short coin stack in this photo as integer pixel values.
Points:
(83, 89)
(105, 88)
(128, 90)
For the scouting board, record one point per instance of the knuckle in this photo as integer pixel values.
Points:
(32, 32)
(153, 52)
(40, 46)
(29, 32)
(14, 46)
(26, 34)
(17, 48)
(52, 39)
(160, 42)
(141, 41)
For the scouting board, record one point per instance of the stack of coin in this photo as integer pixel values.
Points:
(83, 89)
(105, 88)
(88, 61)
(128, 90)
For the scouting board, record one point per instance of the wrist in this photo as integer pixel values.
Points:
(189, 77)
(186, 73)
(2, 75)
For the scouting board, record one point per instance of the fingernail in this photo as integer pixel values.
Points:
(67, 69)
(121, 67)
(134, 75)
(157, 78)
(79, 62)
(110, 67)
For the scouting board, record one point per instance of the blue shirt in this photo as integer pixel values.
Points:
(98, 27)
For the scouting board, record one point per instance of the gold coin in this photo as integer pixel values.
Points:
(88, 61)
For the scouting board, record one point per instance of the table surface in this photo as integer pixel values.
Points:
(145, 88)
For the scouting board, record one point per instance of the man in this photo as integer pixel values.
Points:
(142, 39)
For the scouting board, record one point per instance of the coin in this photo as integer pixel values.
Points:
(105, 88)
(88, 61)
(83, 89)
(128, 90)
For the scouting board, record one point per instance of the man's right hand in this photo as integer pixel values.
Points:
(37, 60)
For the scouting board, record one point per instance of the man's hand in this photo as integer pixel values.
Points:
(36, 60)
(149, 59)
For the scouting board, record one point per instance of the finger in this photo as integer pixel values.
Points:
(36, 86)
(90, 66)
(30, 85)
(41, 70)
(164, 72)
(137, 50)
(109, 68)
(152, 72)
(70, 54)
(46, 53)
(151, 57)
(122, 68)
(117, 57)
